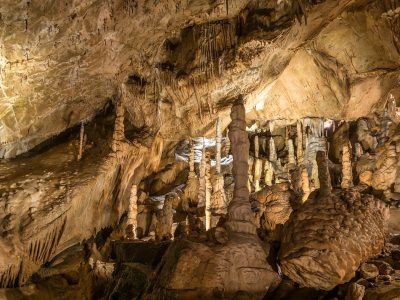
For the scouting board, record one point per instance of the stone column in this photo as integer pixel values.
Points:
(192, 173)
(305, 184)
(119, 134)
(81, 143)
(268, 173)
(347, 172)
(323, 174)
(240, 216)
(314, 174)
(272, 150)
(132, 214)
(299, 140)
(292, 159)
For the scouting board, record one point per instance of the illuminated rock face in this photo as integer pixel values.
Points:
(57, 57)
(329, 236)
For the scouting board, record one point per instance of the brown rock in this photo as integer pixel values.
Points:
(327, 238)
(368, 271)
(355, 292)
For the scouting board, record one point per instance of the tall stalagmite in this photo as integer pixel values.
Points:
(272, 150)
(132, 214)
(305, 184)
(347, 173)
(240, 216)
(299, 141)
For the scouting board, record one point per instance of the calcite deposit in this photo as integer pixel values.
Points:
(326, 239)
(206, 149)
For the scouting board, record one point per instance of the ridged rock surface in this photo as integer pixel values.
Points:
(326, 240)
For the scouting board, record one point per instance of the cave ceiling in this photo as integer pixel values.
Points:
(178, 65)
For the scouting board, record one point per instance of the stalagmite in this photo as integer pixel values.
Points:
(268, 173)
(305, 184)
(119, 135)
(292, 159)
(191, 160)
(324, 177)
(347, 173)
(191, 190)
(272, 150)
(314, 175)
(207, 186)
(299, 140)
(240, 216)
(81, 141)
(132, 214)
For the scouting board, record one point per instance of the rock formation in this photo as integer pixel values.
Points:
(326, 239)
(347, 170)
(132, 214)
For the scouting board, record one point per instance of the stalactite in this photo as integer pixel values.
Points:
(218, 142)
(305, 184)
(81, 141)
(272, 150)
(347, 173)
(299, 139)
(41, 248)
(132, 214)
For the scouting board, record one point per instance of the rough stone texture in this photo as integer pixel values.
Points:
(43, 196)
(60, 62)
(326, 239)
(355, 292)
(274, 205)
(194, 270)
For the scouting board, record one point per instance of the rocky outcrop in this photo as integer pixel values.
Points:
(326, 239)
